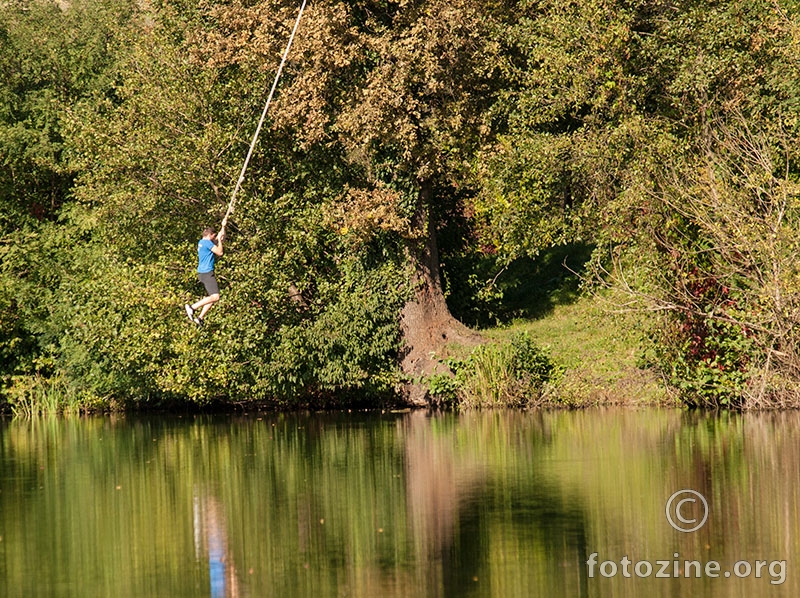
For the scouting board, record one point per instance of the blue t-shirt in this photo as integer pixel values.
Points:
(205, 258)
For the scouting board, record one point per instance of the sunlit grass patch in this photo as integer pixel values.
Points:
(599, 350)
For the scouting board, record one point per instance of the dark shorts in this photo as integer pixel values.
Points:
(210, 282)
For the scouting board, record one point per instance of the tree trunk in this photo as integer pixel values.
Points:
(426, 323)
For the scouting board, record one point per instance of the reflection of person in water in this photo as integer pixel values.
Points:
(211, 537)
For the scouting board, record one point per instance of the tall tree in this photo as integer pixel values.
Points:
(402, 89)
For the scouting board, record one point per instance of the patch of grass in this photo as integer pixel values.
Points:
(511, 373)
(598, 349)
(37, 395)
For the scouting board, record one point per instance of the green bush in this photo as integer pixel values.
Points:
(707, 358)
(512, 374)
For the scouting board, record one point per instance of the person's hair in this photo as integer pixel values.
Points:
(209, 230)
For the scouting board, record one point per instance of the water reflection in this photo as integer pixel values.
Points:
(482, 504)
(211, 546)
(454, 494)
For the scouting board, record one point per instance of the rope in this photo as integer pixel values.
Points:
(263, 116)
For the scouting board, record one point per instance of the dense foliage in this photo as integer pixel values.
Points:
(661, 132)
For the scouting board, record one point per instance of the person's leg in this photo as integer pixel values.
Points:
(209, 300)
(206, 304)
(212, 294)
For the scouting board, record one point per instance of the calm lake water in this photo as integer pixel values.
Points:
(496, 504)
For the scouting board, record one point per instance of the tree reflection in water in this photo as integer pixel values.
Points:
(460, 498)
(479, 504)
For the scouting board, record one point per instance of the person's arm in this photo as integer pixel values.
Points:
(217, 248)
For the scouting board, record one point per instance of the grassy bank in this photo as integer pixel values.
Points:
(599, 351)
(596, 355)
(595, 348)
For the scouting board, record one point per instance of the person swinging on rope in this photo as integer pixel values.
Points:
(209, 248)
